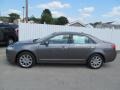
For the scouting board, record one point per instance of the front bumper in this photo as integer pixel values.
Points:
(11, 55)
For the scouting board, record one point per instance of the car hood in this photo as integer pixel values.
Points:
(25, 42)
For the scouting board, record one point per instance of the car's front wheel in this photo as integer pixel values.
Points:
(95, 61)
(26, 59)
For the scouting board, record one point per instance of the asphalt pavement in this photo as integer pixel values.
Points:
(59, 76)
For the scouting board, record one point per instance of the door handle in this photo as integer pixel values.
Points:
(65, 47)
(92, 46)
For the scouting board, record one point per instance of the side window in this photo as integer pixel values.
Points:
(60, 39)
(8, 29)
(77, 39)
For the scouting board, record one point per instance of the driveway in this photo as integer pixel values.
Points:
(58, 77)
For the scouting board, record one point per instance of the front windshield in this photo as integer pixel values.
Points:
(43, 38)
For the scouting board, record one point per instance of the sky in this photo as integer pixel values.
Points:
(75, 10)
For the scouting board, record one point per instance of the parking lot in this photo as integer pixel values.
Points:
(58, 77)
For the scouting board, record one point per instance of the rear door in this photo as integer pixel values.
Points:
(81, 46)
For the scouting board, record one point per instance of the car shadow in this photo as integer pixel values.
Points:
(61, 65)
(107, 65)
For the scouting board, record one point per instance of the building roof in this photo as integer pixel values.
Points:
(76, 23)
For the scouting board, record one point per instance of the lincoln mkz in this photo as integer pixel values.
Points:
(62, 47)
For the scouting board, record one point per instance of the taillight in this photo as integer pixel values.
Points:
(16, 30)
(113, 46)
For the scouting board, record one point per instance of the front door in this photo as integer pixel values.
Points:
(57, 48)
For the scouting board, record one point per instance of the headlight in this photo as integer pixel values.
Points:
(10, 47)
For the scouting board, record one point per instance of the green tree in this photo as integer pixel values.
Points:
(46, 17)
(62, 21)
(4, 19)
(36, 20)
(54, 21)
(13, 16)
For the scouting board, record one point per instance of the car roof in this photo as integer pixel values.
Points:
(79, 33)
(8, 25)
(57, 33)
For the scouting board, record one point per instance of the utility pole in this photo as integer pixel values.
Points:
(26, 11)
(23, 13)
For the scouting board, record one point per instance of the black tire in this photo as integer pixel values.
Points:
(95, 63)
(31, 60)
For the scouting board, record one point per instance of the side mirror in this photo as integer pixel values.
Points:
(45, 43)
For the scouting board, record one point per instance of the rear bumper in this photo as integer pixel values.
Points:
(110, 56)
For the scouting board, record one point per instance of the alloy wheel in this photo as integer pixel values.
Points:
(96, 61)
(25, 60)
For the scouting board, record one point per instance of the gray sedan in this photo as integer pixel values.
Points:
(62, 47)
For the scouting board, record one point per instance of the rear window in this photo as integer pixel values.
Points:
(8, 26)
(80, 39)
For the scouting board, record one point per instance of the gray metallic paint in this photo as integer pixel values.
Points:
(62, 52)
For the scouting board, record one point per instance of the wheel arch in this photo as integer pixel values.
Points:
(25, 51)
(101, 54)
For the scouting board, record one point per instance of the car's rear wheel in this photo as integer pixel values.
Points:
(26, 59)
(95, 61)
